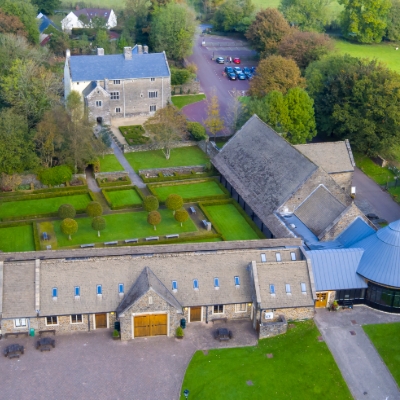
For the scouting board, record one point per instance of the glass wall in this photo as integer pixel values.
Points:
(383, 298)
(354, 295)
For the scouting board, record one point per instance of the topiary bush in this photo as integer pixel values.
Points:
(94, 209)
(181, 215)
(174, 202)
(151, 203)
(66, 211)
(154, 218)
(197, 131)
(179, 332)
(56, 175)
(69, 227)
(98, 224)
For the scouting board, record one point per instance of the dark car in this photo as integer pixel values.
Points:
(246, 70)
(253, 70)
(237, 70)
(241, 76)
(229, 70)
(231, 76)
(249, 76)
(220, 60)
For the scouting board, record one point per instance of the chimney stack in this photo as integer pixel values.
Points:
(128, 53)
(140, 49)
(145, 49)
(100, 51)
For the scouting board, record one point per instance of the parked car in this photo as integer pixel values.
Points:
(246, 70)
(249, 76)
(236, 60)
(237, 70)
(241, 76)
(231, 76)
(253, 70)
(220, 60)
(229, 70)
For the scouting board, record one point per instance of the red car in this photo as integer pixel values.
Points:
(236, 60)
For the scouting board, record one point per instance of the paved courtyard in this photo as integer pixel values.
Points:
(93, 366)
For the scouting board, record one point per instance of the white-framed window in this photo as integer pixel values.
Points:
(121, 288)
(114, 95)
(174, 286)
(99, 290)
(153, 94)
(263, 257)
(117, 82)
(278, 257)
(218, 309)
(20, 322)
(237, 281)
(195, 284)
(152, 79)
(216, 283)
(118, 110)
(272, 288)
(241, 307)
(288, 289)
(77, 291)
(99, 103)
(293, 256)
(53, 320)
(153, 108)
(303, 288)
(76, 319)
(54, 292)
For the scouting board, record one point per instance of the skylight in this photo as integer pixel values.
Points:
(293, 256)
(263, 257)
(303, 287)
(237, 281)
(216, 282)
(174, 285)
(272, 289)
(278, 257)
(195, 284)
(288, 290)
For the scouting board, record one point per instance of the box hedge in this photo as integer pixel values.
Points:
(109, 202)
(178, 177)
(116, 183)
(44, 195)
(47, 190)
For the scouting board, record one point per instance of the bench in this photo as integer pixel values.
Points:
(192, 210)
(131, 240)
(45, 236)
(205, 223)
(16, 334)
(152, 238)
(176, 235)
(111, 243)
(87, 245)
(220, 319)
(53, 331)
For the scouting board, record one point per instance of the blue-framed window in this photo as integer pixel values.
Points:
(77, 291)
(174, 285)
(237, 281)
(195, 284)
(54, 292)
(216, 282)
(272, 289)
(99, 289)
(121, 288)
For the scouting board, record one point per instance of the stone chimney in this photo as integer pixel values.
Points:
(67, 54)
(140, 49)
(128, 53)
(145, 49)
(100, 51)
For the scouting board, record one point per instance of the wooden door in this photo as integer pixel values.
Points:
(322, 298)
(158, 324)
(142, 326)
(101, 321)
(195, 314)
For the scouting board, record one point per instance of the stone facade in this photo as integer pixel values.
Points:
(344, 180)
(98, 104)
(191, 87)
(273, 328)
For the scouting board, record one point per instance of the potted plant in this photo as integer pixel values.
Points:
(179, 332)
(115, 335)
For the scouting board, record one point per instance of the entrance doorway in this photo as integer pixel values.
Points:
(322, 299)
(99, 120)
(150, 325)
(195, 314)
(101, 320)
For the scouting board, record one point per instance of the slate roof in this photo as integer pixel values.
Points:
(335, 269)
(319, 210)
(115, 66)
(333, 157)
(45, 23)
(262, 167)
(94, 12)
(89, 88)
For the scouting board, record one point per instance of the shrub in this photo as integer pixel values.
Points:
(94, 209)
(10, 182)
(68, 227)
(181, 215)
(151, 203)
(56, 175)
(180, 76)
(179, 331)
(154, 218)
(115, 333)
(66, 211)
(197, 131)
(134, 134)
(174, 202)
(98, 224)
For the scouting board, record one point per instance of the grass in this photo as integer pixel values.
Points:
(183, 156)
(385, 339)
(230, 222)
(47, 226)
(17, 238)
(302, 368)
(110, 163)
(380, 175)
(335, 7)
(42, 206)
(114, 4)
(182, 101)
(121, 198)
(187, 191)
(205, 240)
(123, 226)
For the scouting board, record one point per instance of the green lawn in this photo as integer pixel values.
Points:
(230, 222)
(114, 4)
(124, 197)
(385, 339)
(182, 156)
(335, 7)
(42, 206)
(182, 101)
(302, 368)
(17, 238)
(123, 226)
(110, 163)
(380, 175)
(187, 191)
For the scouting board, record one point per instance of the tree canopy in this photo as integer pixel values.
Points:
(66, 211)
(69, 227)
(94, 209)
(214, 123)
(12, 24)
(181, 215)
(393, 22)
(47, 6)
(174, 202)
(154, 218)
(234, 15)
(98, 224)
(151, 203)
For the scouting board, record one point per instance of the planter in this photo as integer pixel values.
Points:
(116, 337)
(179, 337)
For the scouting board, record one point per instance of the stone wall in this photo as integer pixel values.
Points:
(171, 170)
(102, 111)
(147, 147)
(298, 313)
(343, 180)
(273, 328)
(111, 175)
(208, 147)
(191, 87)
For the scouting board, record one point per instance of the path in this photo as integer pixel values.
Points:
(91, 181)
(370, 198)
(361, 366)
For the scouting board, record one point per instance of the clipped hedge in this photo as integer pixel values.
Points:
(47, 190)
(178, 177)
(37, 216)
(134, 134)
(115, 183)
(36, 236)
(44, 195)
(108, 200)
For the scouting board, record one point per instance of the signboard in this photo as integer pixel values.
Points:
(269, 315)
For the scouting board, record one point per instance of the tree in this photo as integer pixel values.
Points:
(167, 126)
(151, 203)
(364, 20)
(174, 202)
(305, 47)
(10, 182)
(66, 211)
(154, 218)
(59, 42)
(275, 73)
(234, 15)
(172, 30)
(102, 40)
(235, 112)
(307, 15)
(69, 227)
(197, 131)
(214, 123)
(94, 209)
(56, 175)
(393, 22)
(98, 224)
(11, 24)
(47, 6)
(181, 215)
(356, 99)
(267, 30)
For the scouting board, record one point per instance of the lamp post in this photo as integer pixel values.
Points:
(186, 393)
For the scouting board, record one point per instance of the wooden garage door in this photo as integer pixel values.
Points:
(322, 298)
(150, 325)
(101, 321)
(195, 314)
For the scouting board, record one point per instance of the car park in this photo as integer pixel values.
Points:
(237, 70)
(236, 60)
(241, 76)
(231, 76)
(220, 60)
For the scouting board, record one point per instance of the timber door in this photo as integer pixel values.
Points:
(195, 314)
(322, 299)
(101, 321)
(150, 325)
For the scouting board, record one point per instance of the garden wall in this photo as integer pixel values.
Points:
(209, 148)
(147, 147)
(273, 328)
(192, 87)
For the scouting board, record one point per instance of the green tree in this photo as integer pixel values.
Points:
(234, 15)
(56, 175)
(364, 21)
(197, 131)
(154, 218)
(66, 211)
(102, 40)
(10, 182)
(98, 224)
(393, 22)
(47, 6)
(151, 203)
(94, 209)
(307, 15)
(267, 30)
(59, 42)
(181, 216)
(214, 123)
(69, 227)
(174, 202)
(275, 73)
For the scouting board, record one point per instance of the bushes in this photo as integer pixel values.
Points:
(197, 131)
(180, 76)
(56, 175)
(104, 182)
(178, 177)
(47, 190)
(45, 194)
(66, 211)
(134, 134)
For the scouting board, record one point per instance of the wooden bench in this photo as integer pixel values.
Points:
(131, 240)
(192, 210)
(176, 235)
(220, 319)
(53, 331)
(16, 334)
(152, 238)
(87, 245)
(111, 243)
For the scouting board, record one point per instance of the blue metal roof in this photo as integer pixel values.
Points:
(355, 232)
(45, 23)
(335, 269)
(115, 66)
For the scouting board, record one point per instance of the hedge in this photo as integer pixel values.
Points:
(178, 177)
(36, 238)
(45, 195)
(47, 190)
(115, 183)
(108, 200)
(37, 216)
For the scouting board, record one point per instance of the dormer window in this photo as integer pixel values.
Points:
(278, 257)
(237, 281)
(272, 289)
(263, 257)
(293, 256)
(195, 284)
(216, 283)
(174, 286)
(288, 290)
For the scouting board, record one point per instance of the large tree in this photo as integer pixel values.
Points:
(364, 21)
(47, 6)
(356, 99)
(267, 30)
(234, 15)
(69, 227)
(99, 224)
(154, 218)
(11, 24)
(275, 73)
(214, 123)
(174, 202)
(393, 22)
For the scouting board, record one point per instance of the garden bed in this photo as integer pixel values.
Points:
(124, 197)
(112, 180)
(134, 134)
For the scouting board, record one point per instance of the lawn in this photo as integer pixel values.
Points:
(230, 222)
(42, 206)
(182, 156)
(114, 4)
(380, 175)
(335, 7)
(17, 238)
(182, 101)
(121, 198)
(110, 163)
(188, 191)
(123, 226)
(301, 368)
(385, 339)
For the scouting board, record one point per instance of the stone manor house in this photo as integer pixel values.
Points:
(119, 85)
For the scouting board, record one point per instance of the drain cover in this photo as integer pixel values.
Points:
(353, 333)
(320, 339)
(250, 383)
(353, 321)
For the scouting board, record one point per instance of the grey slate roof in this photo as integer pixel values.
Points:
(89, 89)
(146, 281)
(94, 12)
(355, 232)
(335, 269)
(115, 66)
(262, 167)
(319, 210)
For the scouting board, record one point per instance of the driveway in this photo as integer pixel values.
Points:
(93, 366)
(361, 366)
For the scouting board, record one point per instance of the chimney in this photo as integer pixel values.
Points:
(128, 53)
(77, 7)
(67, 54)
(100, 51)
(145, 49)
(140, 49)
